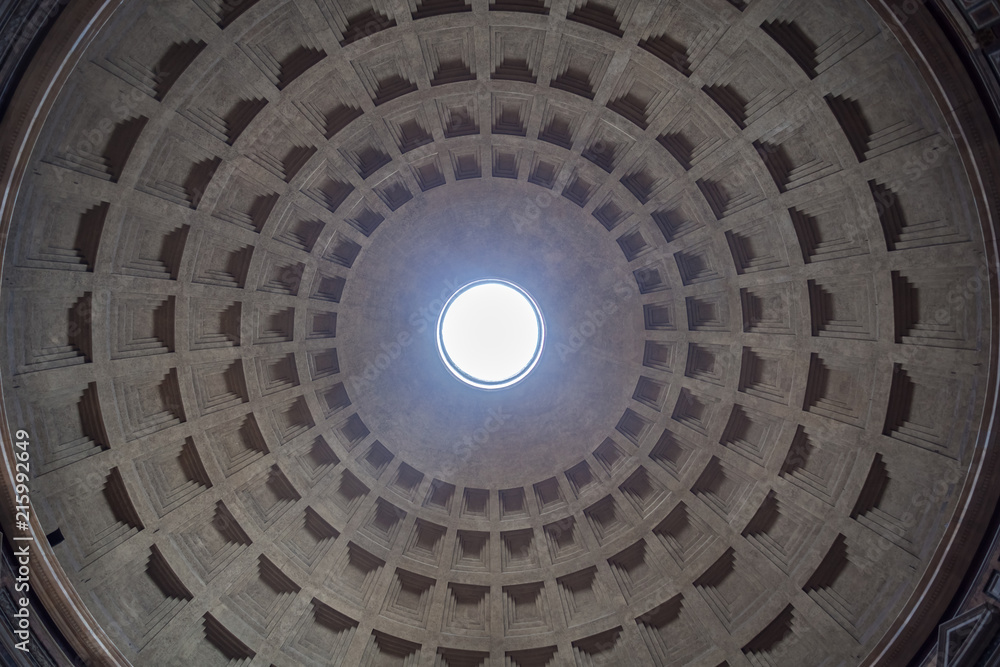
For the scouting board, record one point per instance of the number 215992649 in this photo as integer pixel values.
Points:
(21, 475)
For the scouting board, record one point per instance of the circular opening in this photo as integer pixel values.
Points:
(490, 334)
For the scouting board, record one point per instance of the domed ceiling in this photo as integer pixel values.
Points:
(755, 230)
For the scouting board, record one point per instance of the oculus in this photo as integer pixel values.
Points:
(490, 334)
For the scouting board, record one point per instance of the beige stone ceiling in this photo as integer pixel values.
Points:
(754, 242)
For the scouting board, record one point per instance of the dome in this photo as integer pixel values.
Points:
(758, 237)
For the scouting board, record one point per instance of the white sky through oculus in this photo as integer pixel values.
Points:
(491, 332)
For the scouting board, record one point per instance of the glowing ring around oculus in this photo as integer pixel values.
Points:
(490, 334)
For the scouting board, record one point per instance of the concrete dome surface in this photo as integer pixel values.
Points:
(761, 429)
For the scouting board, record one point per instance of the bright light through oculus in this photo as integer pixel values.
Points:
(490, 334)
